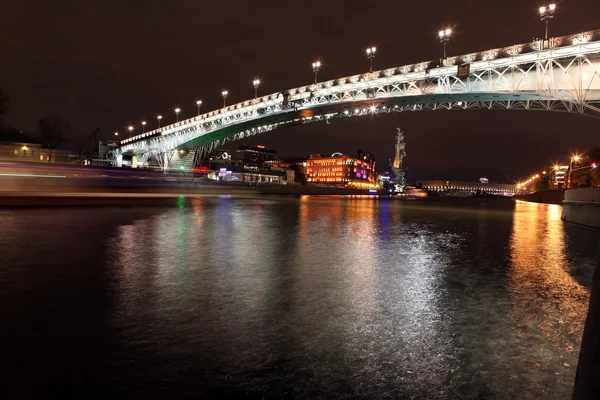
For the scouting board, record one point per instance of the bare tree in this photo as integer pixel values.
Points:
(4, 102)
(54, 130)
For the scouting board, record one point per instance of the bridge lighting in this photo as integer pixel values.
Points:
(445, 38)
(177, 111)
(256, 84)
(130, 128)
(159, 117)
(198, 104)
(546, 14)
(316, 66)
(371, 55)
(224, 93)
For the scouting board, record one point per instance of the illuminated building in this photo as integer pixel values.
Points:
(258, 155)
(557, 177)
(342, 170)
(16, 146)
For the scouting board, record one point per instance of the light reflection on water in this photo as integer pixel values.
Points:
(332, 298)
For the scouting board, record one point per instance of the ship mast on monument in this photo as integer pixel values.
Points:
(397, 168)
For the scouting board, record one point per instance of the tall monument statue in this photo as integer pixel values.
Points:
(397, 168)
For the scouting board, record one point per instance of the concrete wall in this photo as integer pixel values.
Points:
(553, 196)
(582, 206)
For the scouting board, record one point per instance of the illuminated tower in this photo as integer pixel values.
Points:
(397, 168)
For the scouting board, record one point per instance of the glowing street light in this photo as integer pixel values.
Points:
(256, 84)
(316, 66)
(143, 126)
(130, 128)
(224, 93)
(116, 133)
(575, 158)
(546, 14)
(177, 111)
(445, 38)
(159, 117)
(371, 55)
(198, 104)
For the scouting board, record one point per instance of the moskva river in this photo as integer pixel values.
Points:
(284, 298)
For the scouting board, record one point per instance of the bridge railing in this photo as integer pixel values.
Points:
(276, 98)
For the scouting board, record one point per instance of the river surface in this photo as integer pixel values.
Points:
(293, 298)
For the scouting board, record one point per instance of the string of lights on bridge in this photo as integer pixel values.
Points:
(546, 13)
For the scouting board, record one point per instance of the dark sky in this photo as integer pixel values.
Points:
(110, 63)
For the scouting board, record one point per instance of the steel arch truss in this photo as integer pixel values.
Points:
(560, 75)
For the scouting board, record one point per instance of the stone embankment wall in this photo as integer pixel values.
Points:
(543, 196)
(582, 207)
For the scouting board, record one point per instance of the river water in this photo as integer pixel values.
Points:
(293, 298)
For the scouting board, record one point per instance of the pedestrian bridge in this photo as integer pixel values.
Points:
(560, 74)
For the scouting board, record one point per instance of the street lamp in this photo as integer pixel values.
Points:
(575, 158)
(143, 126)
(177, 111)
(546, 14)
(316, 66)
(445, 38)
(224, 93)
(198, 104)
(116, 133)
(130, 128)
(256, 84)
(159, 117)
(371, 55)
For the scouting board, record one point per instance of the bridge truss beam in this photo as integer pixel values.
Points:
(558, 78)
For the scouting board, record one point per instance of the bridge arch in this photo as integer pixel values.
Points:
(559, 75)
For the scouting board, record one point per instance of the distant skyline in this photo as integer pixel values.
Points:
(109, 64)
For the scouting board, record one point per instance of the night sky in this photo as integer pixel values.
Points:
(107, 64)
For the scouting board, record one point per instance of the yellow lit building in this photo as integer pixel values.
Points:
(342, 170)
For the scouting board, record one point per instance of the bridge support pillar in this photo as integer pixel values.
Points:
(119, 160)
(165, 163)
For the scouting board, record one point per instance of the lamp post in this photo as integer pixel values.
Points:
(116, 133)
(130, 129)
(224, 93)
(256, 84)
(177, 111)
(371, 55)
(159, 117)
(574, 158)
(143, 126)
(198, 104)
(316, 66)
(445, 38)
(546, 14)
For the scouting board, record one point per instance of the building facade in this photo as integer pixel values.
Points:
(16, 146)
(257, 155)
(342, 170)
(558, 176)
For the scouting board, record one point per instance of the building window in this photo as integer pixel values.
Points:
(16, 152)
(41, 157)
